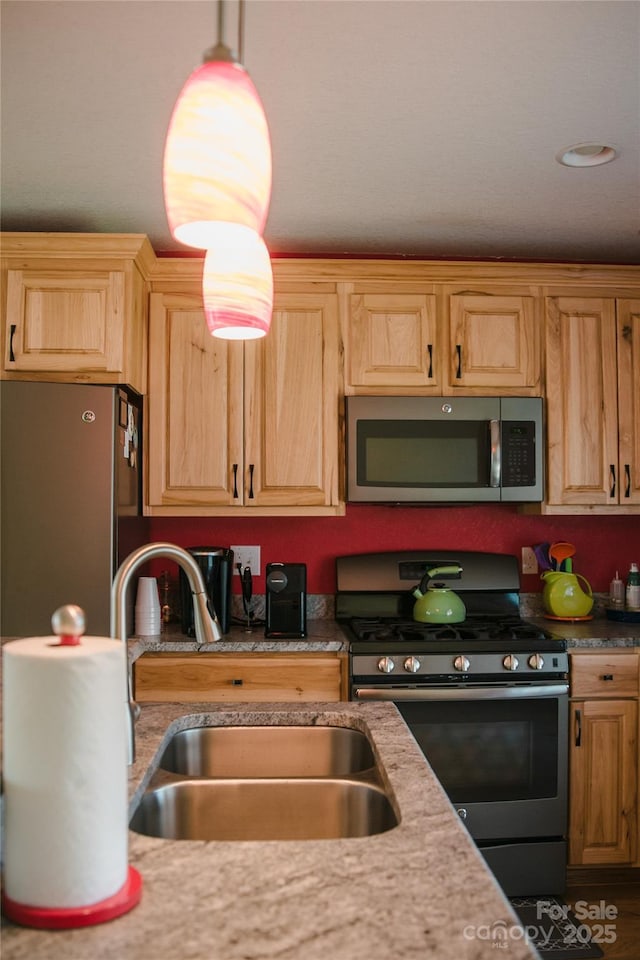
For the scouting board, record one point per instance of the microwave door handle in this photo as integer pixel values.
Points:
(495, 464)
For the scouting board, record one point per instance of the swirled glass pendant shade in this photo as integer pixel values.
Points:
(217, 158)
(237, 284)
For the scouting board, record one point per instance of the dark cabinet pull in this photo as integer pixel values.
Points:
(627, 480)
(607, 676)
(459, 361)
(235, 481)
(612, 472)
(251, 469)
(12, 332)
(236, 683)
(578, 728)
(430, 352)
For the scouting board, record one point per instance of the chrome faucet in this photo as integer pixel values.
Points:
(207, 626)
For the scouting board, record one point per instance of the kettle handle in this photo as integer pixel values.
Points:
(452, 569)
(586, 583)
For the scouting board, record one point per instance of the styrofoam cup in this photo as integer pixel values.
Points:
(147, 610)
(147, 596)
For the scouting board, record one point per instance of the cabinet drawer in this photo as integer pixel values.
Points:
(190, 678)
(604, 675)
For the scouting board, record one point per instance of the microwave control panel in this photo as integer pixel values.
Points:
(518, 453)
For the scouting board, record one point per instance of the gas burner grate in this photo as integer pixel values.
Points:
(478, 630)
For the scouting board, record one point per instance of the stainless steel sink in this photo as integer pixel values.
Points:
(267, 751)
(264, 809)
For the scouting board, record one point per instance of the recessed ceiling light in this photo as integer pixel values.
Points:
(586, 155)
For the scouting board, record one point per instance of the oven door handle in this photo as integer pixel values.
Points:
(461, 693)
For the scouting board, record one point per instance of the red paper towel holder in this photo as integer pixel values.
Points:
(68, 623)
(64, 918)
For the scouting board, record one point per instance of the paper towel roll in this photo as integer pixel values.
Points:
(65, 771)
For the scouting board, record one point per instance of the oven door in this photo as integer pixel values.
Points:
(500, 752)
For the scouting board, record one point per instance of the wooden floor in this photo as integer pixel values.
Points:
(623, 893)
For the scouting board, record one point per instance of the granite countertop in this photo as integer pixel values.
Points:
(322, 636)
(596, 633)
(420, 889)
(327, 635)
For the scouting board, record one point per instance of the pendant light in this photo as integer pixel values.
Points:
(237, 284)
(217, 158)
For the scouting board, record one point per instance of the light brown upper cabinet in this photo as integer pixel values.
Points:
(494, 343)
(74, 307)
(243, 427)
(435, 341)
(593, 403)
(391, 342)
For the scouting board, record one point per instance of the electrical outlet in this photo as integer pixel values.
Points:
(529, 561)
(248, 557)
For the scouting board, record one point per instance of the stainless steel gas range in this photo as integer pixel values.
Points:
(486, 700)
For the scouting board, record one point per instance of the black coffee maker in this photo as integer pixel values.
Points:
(216, 565)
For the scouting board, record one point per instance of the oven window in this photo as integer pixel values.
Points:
(423, 453)
(489, 750)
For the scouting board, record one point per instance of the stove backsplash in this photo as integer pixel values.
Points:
(319, 606)
(531, 605)
(322, 606)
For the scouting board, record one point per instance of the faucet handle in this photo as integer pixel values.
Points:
(206, 624)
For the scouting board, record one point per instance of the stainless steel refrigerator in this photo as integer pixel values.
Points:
(71, 500)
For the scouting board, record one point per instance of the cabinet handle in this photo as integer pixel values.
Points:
(430, 352)
(612, 473)
(12, 332)
(251, 469)
(578, 728)
(236, 683)
(607, 676)
(235, 481)
(459, 361)
(627, 480)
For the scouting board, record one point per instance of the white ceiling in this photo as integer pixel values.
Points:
(410, 127)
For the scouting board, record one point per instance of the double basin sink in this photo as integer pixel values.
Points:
(265, 783)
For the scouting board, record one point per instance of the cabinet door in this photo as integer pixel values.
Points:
(65, 320)
(192, 678)
(390, 341)
(582, 420)
(628, 314)
(494, 343)
(291, 405)
(194, 427)
(603, 782)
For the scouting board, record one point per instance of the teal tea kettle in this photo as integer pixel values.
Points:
(435, 603)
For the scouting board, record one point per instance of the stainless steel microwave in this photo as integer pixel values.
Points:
(444, 449)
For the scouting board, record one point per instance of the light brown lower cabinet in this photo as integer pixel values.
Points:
(233, 677)
(603, 759)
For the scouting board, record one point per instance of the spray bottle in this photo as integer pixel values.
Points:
(633, 588)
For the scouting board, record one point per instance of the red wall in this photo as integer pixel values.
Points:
(603, 544)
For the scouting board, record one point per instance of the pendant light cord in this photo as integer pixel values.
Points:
(220, 21)
(241, 31)
(221, 51)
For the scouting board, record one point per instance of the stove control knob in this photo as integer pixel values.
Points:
(510, 662)
(461, 664)
(412, 664)
(386, 665)
(536, 661)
